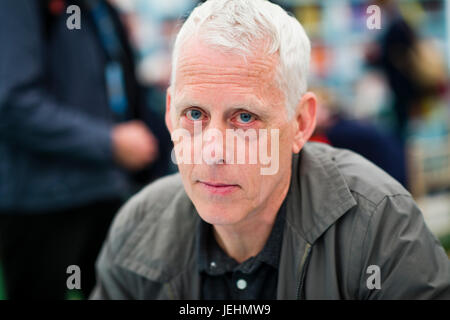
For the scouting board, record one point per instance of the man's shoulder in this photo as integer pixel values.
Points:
(159, 192)
(151, 201)
(156, 220)
(380, 226)
(371, 194)
(363, 178)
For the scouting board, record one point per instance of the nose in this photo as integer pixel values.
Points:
(214, 150)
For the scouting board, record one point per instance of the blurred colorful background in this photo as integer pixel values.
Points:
(383, 93)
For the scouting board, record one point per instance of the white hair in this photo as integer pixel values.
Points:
(237, 25)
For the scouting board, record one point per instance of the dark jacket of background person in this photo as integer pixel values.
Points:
(415, 71)
(55, 121)
(379, 147)
(343, 216)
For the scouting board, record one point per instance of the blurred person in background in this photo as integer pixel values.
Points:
(71, 147)
(413, 67)
(339, 130)
(152, 26)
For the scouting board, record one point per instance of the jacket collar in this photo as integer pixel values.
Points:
(318, 195)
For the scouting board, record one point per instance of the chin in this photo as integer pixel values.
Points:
(220, 214)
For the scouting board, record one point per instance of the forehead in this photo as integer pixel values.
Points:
(199, 59)
(203, 71)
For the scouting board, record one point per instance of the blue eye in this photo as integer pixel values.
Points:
(245, 117)
(194, 115)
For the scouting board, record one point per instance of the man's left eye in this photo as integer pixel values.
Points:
(245, 118)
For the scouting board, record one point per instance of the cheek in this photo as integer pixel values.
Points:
(186, 174)
(286, 140)
(252, 183)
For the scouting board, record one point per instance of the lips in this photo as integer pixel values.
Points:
(218, 187)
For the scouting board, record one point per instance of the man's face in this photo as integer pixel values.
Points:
(221, 91)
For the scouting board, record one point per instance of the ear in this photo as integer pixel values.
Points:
(168, 118)
(305, 120)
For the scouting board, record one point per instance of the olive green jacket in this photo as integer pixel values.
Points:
(351, 232)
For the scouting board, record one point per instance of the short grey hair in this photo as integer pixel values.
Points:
(237, 24)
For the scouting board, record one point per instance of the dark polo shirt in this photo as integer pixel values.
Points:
(222, 277)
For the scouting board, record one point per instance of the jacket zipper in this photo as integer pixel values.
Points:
(302, 271)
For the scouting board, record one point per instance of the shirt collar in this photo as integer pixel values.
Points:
(214, 261)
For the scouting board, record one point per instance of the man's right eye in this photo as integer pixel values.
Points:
(194, 115)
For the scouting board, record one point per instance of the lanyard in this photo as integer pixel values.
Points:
(114, 74)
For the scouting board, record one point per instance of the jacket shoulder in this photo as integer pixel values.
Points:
(150, 201)
(362, 176)
(147, 231)
(384, 228)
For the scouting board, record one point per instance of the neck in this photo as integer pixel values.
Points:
(248, 237)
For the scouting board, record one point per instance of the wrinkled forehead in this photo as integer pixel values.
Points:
(200, 63)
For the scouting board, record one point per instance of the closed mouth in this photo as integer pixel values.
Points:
(219, 187)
